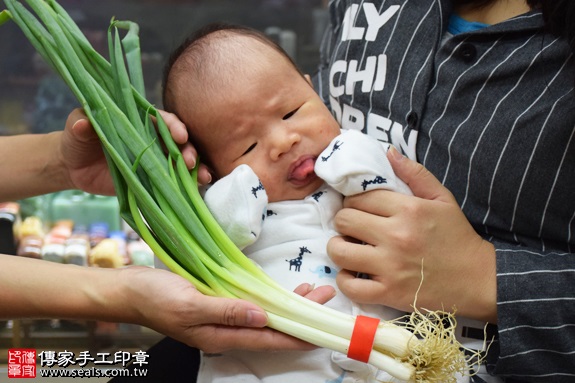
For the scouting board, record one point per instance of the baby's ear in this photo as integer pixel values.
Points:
(308, 79)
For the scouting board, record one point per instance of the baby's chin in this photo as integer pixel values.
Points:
(295, 192)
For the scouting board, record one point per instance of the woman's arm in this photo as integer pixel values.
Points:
(30, 166)
(73, 158)
(411, 240)
(426, 239)
(43, 163)
(154, 298)
(40, 289)
(158, 299)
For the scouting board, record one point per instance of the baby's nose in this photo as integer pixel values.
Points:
(282, 142)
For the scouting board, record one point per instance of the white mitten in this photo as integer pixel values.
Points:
(354, 163)
(238, 201)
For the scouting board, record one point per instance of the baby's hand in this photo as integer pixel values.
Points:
(355, 163)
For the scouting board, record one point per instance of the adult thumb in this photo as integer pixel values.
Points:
(418, 178)
(80, 126)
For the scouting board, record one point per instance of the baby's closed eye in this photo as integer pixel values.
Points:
(290, 114)
(252, 146)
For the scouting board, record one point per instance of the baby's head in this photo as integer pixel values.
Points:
(245, 102)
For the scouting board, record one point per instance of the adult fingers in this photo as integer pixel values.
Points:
(177, 128)
(204, 175)
(214, 339)
(179, 133)
(189, 154)
(420, 180)
(384, 203)
(365, 221)
(351, 256)
(360, 290)
(231, 312)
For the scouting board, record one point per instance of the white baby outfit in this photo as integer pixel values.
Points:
(288, 240)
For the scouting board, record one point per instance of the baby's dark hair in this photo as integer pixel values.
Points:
(194, 50)
(198, 57)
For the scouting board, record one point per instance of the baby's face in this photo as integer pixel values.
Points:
(271, 120)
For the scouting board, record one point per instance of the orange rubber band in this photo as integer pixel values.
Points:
(362, 338)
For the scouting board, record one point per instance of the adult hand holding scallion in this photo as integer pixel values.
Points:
(159, 198)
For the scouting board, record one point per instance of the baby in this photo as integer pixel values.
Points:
(281, 166)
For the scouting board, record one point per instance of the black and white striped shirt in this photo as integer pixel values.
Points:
(492, 114)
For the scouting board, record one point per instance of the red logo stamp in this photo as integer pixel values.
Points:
(21, 363)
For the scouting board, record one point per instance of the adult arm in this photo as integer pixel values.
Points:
(154, 298)
(43, 163)
(536, 314)
(73, 158)
(412, 240)
(527, 292)
(163, 301)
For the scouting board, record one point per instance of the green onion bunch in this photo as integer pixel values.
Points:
(159, 199)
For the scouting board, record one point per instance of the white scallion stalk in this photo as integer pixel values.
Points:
(159, 198)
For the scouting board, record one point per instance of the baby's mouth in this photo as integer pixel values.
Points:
(302, 171)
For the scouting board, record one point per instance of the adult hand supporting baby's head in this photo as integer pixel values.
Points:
(407, 238)
(180, 135)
